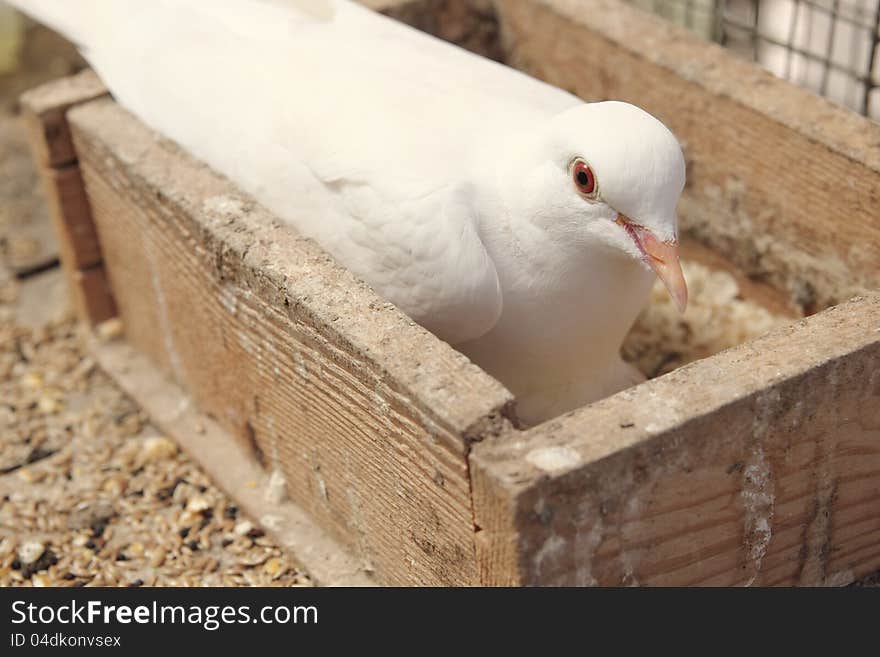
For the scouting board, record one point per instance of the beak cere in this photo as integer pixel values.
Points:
(662, 257)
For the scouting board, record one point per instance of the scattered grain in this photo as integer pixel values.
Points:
(30, 552)
(243, 528)
(94, 495)
(157, 448)
(109, 330)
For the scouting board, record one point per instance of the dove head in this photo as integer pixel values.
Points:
(608, 176)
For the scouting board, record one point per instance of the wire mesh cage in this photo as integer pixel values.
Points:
(831, 47)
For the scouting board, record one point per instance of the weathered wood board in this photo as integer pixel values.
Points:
(231, 464)
(45, 111)
(760, 465)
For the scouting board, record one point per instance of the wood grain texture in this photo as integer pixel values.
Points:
(367, 416)
(91, 294)
(45, 109)
(45, 112)
(470, 24)
(784, 182)
(231, 465)
(71, 216)
(760, 465)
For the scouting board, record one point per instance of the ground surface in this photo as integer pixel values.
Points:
(90, 492)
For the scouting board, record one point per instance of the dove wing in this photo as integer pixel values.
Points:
(423, 253)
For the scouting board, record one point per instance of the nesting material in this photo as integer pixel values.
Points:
(718, 317)
(92, 495)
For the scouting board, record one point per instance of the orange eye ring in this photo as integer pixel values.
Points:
(584, 179)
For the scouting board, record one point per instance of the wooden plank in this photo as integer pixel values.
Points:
(367, 416)
(233, 467)
(760, 465)
(470, 24)
(91, 294)
(783, 182)
(45, 110)
(71, 217)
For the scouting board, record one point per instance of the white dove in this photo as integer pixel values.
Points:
(508, 217)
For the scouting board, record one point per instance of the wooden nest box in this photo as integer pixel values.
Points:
(379, 454)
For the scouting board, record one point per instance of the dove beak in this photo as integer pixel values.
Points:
(662, 257)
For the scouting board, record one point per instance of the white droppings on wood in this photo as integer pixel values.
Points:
(299, 364)
(841, 578)
(758, 500)
(223, 205)
(382, 407)
(248, 343)
(665, 414)
(817, 535)
(274, 456)
(758, 491)
(631, 523)
(550, 549)
(272, 522)
(173, 414)
(553, 459)
(164, 320)
(276, 488)
(228, 299)
(585, 544)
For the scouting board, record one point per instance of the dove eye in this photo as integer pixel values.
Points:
(584, 178)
